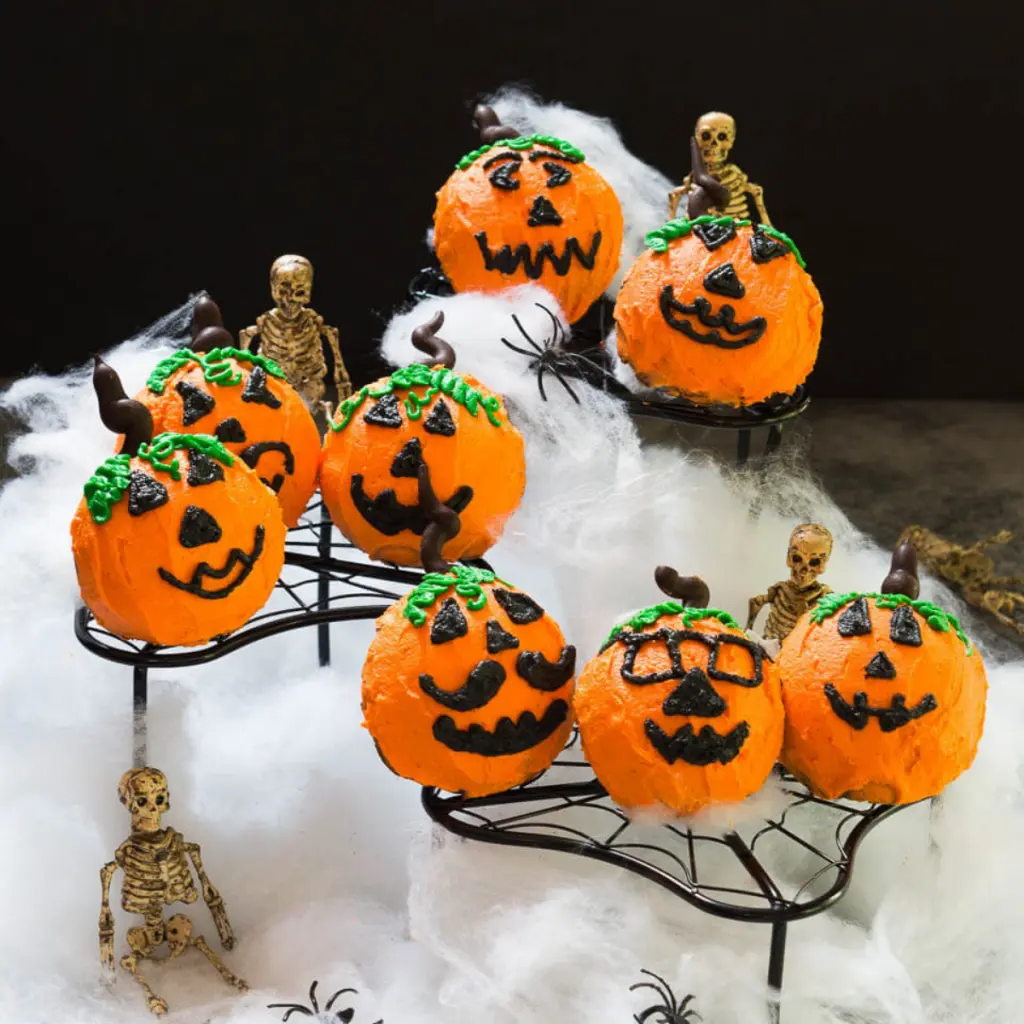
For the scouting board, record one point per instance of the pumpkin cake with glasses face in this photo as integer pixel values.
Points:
(720, 312)
(884, 694)
(680, 709)
(176, 540)
(244, 400)
(468, 681)
(522, 209)
(422, 415)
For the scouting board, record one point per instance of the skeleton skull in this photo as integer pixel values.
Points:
(144, 792)
(291, 284)
(715, 134)
(809, 549)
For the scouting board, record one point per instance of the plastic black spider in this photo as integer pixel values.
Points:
(327, 1014)
(671, 1011)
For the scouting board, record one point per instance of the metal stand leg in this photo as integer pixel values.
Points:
(776, 960)
(140, 700)
(743, 447)
(773, 440)
(323, 588)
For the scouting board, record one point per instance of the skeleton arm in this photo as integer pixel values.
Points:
(107, 873)
(758, 193)
(212, 897)
(341, 378)
(246, 334)
(675, 197)
(755, 606)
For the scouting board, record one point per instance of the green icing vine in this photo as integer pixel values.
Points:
(651, 615)
(939, 619)
(464, 579)
(436, 381)
(785, 240)
(659, 239)
(105, 488)
(524, 142)
(216, 368)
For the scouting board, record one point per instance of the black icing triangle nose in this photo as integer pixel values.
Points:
(694, 696)
(543, 212)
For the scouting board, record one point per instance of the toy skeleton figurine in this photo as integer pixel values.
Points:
(972, 571)
(291, 334)
(155, 862)
(809, 550)
(715, 134)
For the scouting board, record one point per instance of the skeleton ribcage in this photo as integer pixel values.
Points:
(736, 182)
(788, 605)
(155, 874)
(296, 349)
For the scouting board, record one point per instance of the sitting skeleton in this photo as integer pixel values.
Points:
(972, 571)
(291, 334)
(155, 862)
(715, 134)
(810, 546)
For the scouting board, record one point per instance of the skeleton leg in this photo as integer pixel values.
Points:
(1002, 537)
(180, 937)
(141, 944)
(1001, 602)
(1006, 581)
(232, 979)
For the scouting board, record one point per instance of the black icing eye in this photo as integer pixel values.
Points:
(501, 176)
(856, 620)
(145, 494)
(385, 413)
(753, 676)
(904, 628)
(198, 527)
(705, 135)
(557, 173)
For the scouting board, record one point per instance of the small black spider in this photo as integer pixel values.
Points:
(328, 1014)
(671, 1011)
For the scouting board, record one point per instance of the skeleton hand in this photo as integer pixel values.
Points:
(107, 939)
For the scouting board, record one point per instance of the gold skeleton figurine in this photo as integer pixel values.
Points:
(715, 134)
(972, 571)
(155, 863)
(809, 548)
(290, 334)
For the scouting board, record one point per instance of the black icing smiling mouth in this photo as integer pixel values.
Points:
(387, 515)
(252, 455)
(508, 737)
(697, 748)
(676, 314)
(890, 718)
(204, 571)
(507, 260)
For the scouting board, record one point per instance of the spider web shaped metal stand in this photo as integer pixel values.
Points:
(732, 875)
(582, 356)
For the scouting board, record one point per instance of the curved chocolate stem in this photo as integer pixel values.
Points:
(426, 340)
(542, 674)
(442, 525)
(691, 590)
(490, 129)
(208, 330)
(708, 191)
(902, 578)
(119, 413)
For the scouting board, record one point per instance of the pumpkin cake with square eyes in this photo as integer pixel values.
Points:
(422, 415)
(528, 208)
(884, 694)
(244, 400)
(468, 681)
(176, 540)
(680, 709)
(719, 312)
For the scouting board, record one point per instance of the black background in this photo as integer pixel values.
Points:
(154, 149)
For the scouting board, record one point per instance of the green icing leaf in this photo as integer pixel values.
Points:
(466, 580)
(649, 616)
(785, 240)
(659, 239)
(938, 618)
(524, 142)
(105, 488)
(436, 381)
(216, 368)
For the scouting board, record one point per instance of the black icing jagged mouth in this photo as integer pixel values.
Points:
(252, 455)
(507, 260)
(387, 515)
(894, 717)
(699, 749)
(203, 571)
(508, 737)
(675, 314)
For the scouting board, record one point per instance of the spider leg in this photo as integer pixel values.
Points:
(540, 380)
(565, 384)
(522, 331)
(312, 997)
(291, 1008)
(340, 992)
(516, 348)
(555, 322)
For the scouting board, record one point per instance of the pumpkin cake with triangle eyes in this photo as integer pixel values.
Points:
(719, 311)
(884, 694)
(176, 540)
(244, 400)
(468, 682)
(680, 709)
(423, 414)
(528, 208)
